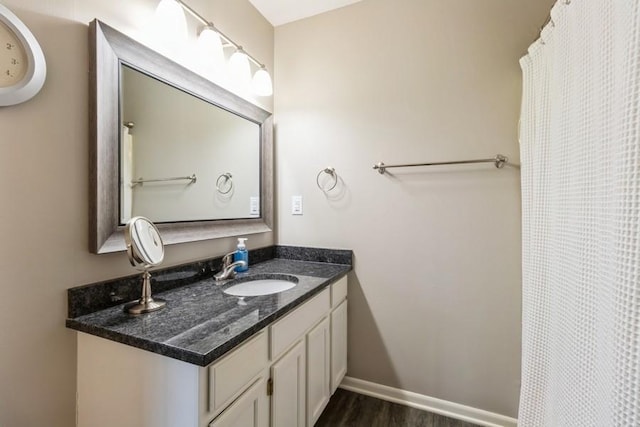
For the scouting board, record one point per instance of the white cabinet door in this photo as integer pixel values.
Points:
(250, 409)
(318, 370)
(338, 345)
(288, 398)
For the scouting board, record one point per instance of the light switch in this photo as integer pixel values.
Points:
(254, 206)
(296, 205)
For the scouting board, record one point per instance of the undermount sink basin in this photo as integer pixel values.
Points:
(253, 287)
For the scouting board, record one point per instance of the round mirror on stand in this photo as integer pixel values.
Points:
(145, 250)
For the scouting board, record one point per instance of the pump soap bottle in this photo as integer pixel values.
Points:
(241, 254)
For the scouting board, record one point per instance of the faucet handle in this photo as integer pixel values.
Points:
(227, 259)
(229, 271)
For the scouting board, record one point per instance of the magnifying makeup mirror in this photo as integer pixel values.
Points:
(145, 250)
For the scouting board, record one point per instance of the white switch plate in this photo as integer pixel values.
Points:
(296, 205)
(254, 206)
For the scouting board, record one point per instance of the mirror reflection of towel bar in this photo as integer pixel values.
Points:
(141, 181)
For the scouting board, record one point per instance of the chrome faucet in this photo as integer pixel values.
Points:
(228, 268)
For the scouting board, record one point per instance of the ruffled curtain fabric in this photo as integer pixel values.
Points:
(580, 156)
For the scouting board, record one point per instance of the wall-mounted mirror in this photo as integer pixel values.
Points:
(173, 147)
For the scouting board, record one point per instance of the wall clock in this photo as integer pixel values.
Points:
(22, 65)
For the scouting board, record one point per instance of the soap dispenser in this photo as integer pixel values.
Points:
(241, 254)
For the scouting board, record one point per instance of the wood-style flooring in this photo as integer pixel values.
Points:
(348, 409)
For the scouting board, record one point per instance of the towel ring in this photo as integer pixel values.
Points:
(227, 178)
(328, 171)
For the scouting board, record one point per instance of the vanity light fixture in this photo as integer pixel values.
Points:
(240, 69)
(211, 62)
(236, 65)
(262, 85)
(170, 25)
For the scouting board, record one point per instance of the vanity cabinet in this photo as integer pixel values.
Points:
(282, 376)
(295, 386)
(317, 363)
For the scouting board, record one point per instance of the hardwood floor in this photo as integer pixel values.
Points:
(348, 409)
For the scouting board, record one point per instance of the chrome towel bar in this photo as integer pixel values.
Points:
(141, 181)
(499, 161)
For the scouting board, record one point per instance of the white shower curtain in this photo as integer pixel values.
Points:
(580, 154)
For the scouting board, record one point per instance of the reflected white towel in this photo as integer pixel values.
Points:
(126, 172)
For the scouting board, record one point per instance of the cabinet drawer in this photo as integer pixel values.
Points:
(338, 292)
(291, 327)
(228, 377)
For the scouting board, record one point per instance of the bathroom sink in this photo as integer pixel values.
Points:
(261, 285)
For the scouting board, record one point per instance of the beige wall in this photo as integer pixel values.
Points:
(44, 214)
(435, 298)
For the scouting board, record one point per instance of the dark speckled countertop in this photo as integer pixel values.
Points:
(201, 323)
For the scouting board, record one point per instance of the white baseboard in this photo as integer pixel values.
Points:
(426, 403)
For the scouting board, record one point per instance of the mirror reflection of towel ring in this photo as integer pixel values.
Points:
(227, 179)
(329, 171)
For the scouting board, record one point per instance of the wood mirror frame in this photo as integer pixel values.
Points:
(108, 50)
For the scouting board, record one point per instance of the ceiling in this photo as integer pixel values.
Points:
(280, 12)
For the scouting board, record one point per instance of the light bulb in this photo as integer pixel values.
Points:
(262, 85)
(170, 27)
(210, 55)
(240, 70)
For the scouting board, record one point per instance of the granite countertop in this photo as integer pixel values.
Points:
(201, 323)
